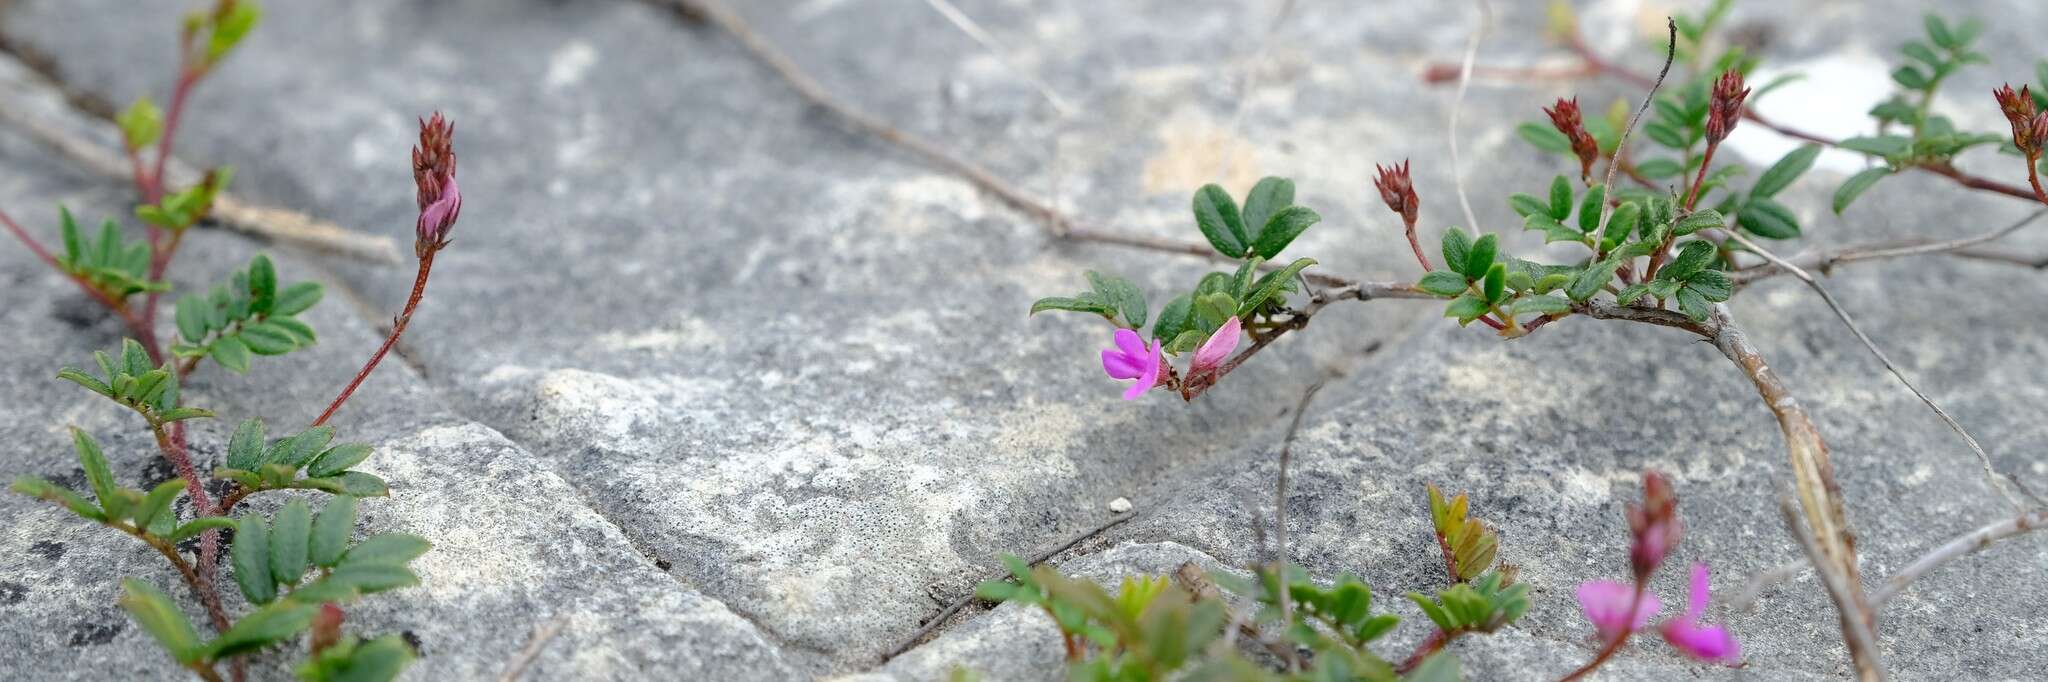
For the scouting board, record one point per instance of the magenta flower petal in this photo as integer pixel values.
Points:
(1130, 342)
(1687, 634)
(1710, 643)
(1151, 376)
(1120, 366)
(1218, 347)
(1606, 605)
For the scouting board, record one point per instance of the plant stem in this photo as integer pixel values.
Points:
(142, 330)
(1435, 642)
(1954, 549)
(1692, 196)
(1417, 247)
(187, 77)
(208, 597)
(419, 289)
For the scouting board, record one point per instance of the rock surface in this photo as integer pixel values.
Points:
(738, 394)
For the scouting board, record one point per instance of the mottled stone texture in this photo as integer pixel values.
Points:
(739, 394)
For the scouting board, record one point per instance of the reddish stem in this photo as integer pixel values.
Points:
(419, 289)
(1692, 196)
(2034, 177)
(142, 330)
(1417, 246)
(187, 77)
(1435, 642)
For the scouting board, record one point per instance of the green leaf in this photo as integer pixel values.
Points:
(51, 492)
(296, 451)
(1664, 135)
(1458, 251)
(1282, 229)
(1560, 198)
(1787, 169)
(1693, 304)
(1588, 282)
(1856, 184)
(273, 624)
(73, 248)
(331, 531)
(1711, 285)
(359, 484)
(379, 660)
(157, 502)
(228, 29)
(1553, 231)
(301, 333)
(297, 298)
(1590, 207)
(1883, 145)
(1910, 78)
(1482, 255)
(262, 285)
(1695, 256)
(86, 380)
(1622, 222)
(1526, 205)
(1441, 666)
(1542, 305)
(183, 413)
(1271, 285)
(141, 124)
(1443, 283)
(160, 617)
(338, 459)
(1657, 169)
(1496, 282)
(1544, 137)
(1174, 318)
(191, 315)
(1699, 220)
(1247, 272)
(1215, 309)
(1078, 305)
(365, 579)
(231, 353)
(1216, 214)
(386, 548)
(250, 556)
(96, 472)
(1465, 308)
(1937, 30)
(1919, 50)
(289, 534)
(1769, 219)
(1122, 294)
(245, 448)
(1266, 200)
(192, 529)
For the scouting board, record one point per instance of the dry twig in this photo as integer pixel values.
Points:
(541, 636)
(1856, 619)
(1973, 541)
(1621, 146)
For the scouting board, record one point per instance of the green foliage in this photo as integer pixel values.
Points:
(1468, 545)
(249, 315)
(132, 382)
(141, 124)
(279, 465)
(185, 208)
(355, 660)
(1486, 604)
(111, 266)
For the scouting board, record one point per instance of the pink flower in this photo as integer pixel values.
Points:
(1606, 604)
(1710, 643)
(1132, 358)
(1218, 347)
(441, 215)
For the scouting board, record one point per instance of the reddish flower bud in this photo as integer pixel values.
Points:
(2019, 111)
(433, 175)
(1566, 118)
(2039, 132)
(326, 627)
(1398, 190)
(1653, 526)
(1725, 108)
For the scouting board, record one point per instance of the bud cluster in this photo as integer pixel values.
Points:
(1567, 119)
(2029, 127)
(433, 174)
(1725, 108)
(1398, 190)
(1653, 525)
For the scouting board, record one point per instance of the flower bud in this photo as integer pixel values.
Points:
(326, 628)
(1725, 108)
(1566, 118)
(1398, 190)
(1653, 526)
(433, 174)
(2018, 108)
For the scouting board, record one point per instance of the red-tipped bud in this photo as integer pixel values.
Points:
(1398, 190)
(1725, 108)
(1566, 118)
(1654, 527)
(326, 627)
(2039, 132)
(2018, 108)
(433, 175)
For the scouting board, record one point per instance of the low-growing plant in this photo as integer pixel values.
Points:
(297, 567)
(1159, 627)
